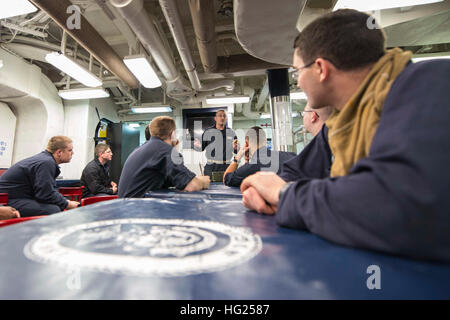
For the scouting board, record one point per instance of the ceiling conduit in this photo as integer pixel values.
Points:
(172, 16)
(247, 107)
(135, 15)
(263, 95)
(202, 12)
(89, 38)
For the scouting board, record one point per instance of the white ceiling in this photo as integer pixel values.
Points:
(262, 28)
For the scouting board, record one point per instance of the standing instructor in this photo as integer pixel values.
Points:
(220, 143)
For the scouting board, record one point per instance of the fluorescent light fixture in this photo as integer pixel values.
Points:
(134, 125)
(16, 8)
(162, 109)
(73, 69)
(417, 59)
(298, 96)
(143, 71)
(379, 4)
(84, 93)
(1, 63)
(229, 99)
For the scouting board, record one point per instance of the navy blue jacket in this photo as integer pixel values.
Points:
(262, 160)
(34, 178)
(314, 161)
(396, 200)
(154, 165)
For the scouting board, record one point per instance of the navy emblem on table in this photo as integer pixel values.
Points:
(147, 247)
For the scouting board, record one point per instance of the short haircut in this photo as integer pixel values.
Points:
(162, 127)
(100, 148)
(58, 142)
(221, 110)
(147, 132)
(342, 37)
(256, 136)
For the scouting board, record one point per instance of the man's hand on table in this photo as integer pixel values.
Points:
(260, 192)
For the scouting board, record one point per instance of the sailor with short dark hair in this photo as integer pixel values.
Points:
(220, 143)
(257, 158)
(158, 165)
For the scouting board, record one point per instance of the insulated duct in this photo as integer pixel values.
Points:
(134, 13)
(202, 12)
(89, 38)
(263, 95)
(246, 109)
(255, 22)
(172, 16)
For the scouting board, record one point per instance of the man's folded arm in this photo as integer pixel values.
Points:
(44, 186)
(92, 181)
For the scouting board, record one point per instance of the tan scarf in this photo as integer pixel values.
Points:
(351, 129)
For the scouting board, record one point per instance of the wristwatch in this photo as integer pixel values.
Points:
(235, 160)
(283, 189)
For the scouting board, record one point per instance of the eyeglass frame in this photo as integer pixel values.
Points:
(296, 73)
(303, 113)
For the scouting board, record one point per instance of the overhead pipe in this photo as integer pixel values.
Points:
(134, 13)
(202, 12)
(263, 95)
(172, 15)
(75, 82)
(120, 24)
(35, 43)
(247, 107)
(89, 38)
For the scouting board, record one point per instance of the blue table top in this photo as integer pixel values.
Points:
(194, 249)
(216, 191)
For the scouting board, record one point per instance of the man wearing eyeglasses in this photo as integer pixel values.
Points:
(313, 120)
(315, 160)
(388, 184)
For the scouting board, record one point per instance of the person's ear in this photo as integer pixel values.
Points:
(323, 68)
(58, 154)
(173, 136)
(314, 117)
